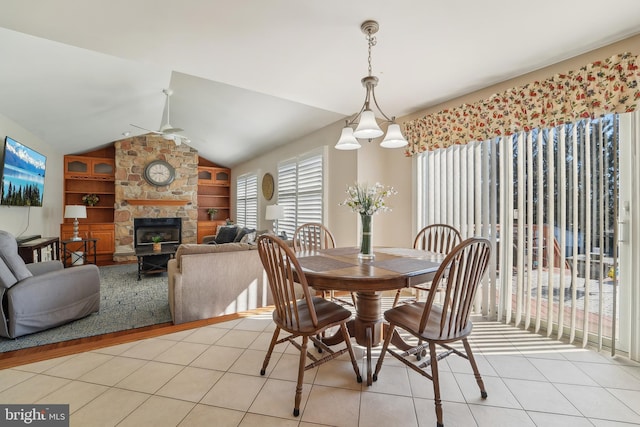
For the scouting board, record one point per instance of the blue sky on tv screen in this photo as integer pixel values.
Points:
(22, 167)
(24, 158)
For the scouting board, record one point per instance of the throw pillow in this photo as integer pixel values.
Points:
(249, 238)
(260, 233)
(242, 232)
(226, 235)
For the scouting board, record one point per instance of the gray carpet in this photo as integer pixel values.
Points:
(125, 303)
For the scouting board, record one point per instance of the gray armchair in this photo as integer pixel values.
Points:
(39, 296)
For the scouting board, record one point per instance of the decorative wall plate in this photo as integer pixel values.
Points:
(267, 186)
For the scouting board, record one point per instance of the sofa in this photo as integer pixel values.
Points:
(39, 296)
(210, 280)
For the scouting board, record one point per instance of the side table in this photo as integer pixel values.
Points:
(32, 250)
(71, 248)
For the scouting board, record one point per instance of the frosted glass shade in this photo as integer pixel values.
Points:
(347, 141)
(394, 137)
(368, 127)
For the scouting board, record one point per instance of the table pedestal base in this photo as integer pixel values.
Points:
(366, 327)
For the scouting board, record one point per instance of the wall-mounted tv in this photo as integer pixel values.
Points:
(22, 175)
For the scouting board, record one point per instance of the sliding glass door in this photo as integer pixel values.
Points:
(548, 200)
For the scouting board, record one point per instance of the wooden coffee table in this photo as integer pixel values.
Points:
(150, 261)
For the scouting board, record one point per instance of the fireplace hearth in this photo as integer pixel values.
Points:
(145, 229)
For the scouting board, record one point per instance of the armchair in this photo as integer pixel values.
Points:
(39, 296)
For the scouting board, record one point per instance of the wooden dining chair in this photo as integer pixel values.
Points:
(314, 236)
(307, 317)
(439, 238)
(439, 325)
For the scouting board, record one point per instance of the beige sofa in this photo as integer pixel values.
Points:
(212, 280)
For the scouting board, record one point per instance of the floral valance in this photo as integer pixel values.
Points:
(603, 87)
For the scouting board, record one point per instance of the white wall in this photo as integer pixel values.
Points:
(369, 164)
(43, 220)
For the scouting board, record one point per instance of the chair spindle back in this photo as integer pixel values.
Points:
(440, 238)
(459, 276)
(312, 236)
(279, 262)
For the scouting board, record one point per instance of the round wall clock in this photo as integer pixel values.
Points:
(267, 186)
(159, 173)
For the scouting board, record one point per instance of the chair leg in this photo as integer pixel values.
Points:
(396, 299)
(303, 357)
(274, 339)
(474, 366)
(387, 339)
(347, 340)
(436, 383)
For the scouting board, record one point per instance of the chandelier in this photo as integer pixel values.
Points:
(365, 121)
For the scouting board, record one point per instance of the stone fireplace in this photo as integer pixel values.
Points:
(137, 199)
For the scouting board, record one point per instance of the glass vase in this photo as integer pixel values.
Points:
(366, 246)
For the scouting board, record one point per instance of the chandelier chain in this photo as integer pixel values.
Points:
(371, 40)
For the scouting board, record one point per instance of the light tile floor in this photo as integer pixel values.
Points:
(210, 377)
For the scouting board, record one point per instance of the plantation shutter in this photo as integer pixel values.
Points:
(310, 190)
(287, 172)
(247, 200)
(300, 191)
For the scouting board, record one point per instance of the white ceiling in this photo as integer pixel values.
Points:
(250, 75)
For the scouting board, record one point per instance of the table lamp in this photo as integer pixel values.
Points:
(75, 212)
(274, 213)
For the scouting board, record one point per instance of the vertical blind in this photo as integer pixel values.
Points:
(247, 200)
(547, 199)
(300, 191)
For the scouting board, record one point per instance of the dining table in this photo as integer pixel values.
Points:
(340, 269)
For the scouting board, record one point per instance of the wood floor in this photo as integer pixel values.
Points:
(36, 354)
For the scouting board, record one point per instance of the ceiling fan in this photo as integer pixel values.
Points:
(166, 130)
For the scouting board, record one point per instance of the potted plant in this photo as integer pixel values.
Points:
(212, 213)
(157, 246)
(90, 199)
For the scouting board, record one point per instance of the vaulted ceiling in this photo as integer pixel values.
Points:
(251, 75)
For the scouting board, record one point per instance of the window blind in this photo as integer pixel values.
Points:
(300, 191)
(247, 200)
(547, 200)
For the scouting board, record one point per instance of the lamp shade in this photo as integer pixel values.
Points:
(75, 211)
(368, 127)
(274, 212)
(394, 137)
(347, 141)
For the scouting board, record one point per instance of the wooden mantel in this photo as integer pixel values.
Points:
(157, 202)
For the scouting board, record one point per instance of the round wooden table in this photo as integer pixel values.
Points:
(391, 269)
